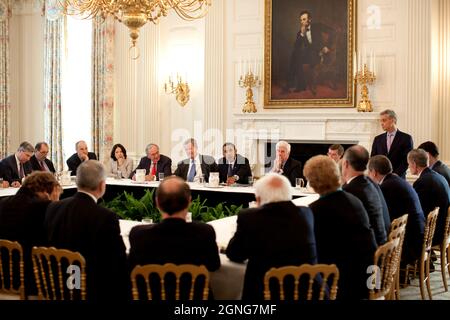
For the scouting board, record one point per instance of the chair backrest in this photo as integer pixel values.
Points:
(446, 240)
(319, 275)
(60, 274)
(398, 231)
(430, 227)
(384, 269)
(11, 269)
(199, 279)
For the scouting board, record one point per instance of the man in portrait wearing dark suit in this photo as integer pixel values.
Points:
(39, 161)
(432, 188)
(401, 199)
(313, 46)
(174, 240)
(393, 143)
(196, 164)
(354, 165)
(154, 164)
(436, 164)
(233, 167)
(285, 165)
(17, 166)
(275, 234)
(79, 224)
(80, 156)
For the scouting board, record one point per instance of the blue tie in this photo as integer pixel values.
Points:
(192, 172)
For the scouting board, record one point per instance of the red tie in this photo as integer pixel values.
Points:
(153, 169)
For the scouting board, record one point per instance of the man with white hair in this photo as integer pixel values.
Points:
(275, 234)
(285, 165)
(79, 224)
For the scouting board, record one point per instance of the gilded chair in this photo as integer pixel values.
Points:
(173, 281)
(317, 277)
(60, 274)
(11, 271)
(444, 249)
(397, 231)
(423, 264)
(385, 270)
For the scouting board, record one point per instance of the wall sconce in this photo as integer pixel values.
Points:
(179, 88)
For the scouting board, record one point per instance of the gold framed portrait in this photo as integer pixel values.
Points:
(309, 53)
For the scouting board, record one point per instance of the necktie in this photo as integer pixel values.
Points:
(230, 170)
(192, 172)
(41, 163)
(21, 173)
(153, 169)
(389, 141)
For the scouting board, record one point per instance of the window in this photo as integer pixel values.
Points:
(76, 84)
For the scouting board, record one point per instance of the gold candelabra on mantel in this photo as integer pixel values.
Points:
(364, 78)
(249, 81)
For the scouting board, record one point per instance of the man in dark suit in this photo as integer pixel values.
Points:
(401, 199)
(154, 164)
(17, 166)
(432, 188)
(285, 165)
(22, 218)
(174, 240)
(275, 234)
(196, 165)
(342, 229)
(39, 161)
(313, 46)
(80, 156)
(435, 164)
(233, 167)
(393, 143)
(354, 165)
(79, 224)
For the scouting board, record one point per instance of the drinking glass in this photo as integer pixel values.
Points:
(299, 183)
(161, 176)
(201, 179)
(250, 180)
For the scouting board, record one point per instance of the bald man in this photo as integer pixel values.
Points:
(79, 157)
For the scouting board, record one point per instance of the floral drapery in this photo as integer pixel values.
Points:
(52, 86)
(103, 87)
(5, 106)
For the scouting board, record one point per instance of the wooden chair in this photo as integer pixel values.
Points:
(424, 262)
(52, 269)
(397, 231)
(385, 270)
(297, 272)
(11, 270)
(196, 273)
(444, 249)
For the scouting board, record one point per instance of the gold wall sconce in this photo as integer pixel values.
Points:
(178, 87)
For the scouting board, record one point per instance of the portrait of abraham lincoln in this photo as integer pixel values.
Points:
(309, 47)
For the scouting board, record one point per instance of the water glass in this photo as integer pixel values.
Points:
(119, 174)
(250, 180)
(161, 176)
(147, 220)
(299, 183)
(201, 179)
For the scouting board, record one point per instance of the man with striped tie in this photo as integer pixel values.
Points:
(39, 161)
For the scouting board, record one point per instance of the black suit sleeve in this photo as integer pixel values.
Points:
(180, 172)
(213, 259)
(237, 249)
(7, 171)
(168, 168)
(406, 147)
(72, 163)
(375, 150)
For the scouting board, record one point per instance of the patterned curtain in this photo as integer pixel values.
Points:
(103, 87)
(53, 36)
(5, 13)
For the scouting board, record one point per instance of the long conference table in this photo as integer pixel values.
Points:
(227, 282)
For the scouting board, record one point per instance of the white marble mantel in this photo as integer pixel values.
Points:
(308, 126)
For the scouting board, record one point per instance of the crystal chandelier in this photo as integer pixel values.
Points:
(135, 13)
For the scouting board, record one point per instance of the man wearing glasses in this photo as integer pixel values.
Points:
(39, 161)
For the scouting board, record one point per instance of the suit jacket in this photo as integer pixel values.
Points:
(36, 166)
(386, 216)
(240, 168)
(274, 235)
(79, 224)
(22, 220)
(433, 191)
(292, 169)
(208, 165)
(344, 237)
(164, 165)
(401, 146)
(402, 199)
(9, 171)
(443, 170)
(364, 190)
(74, 161)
